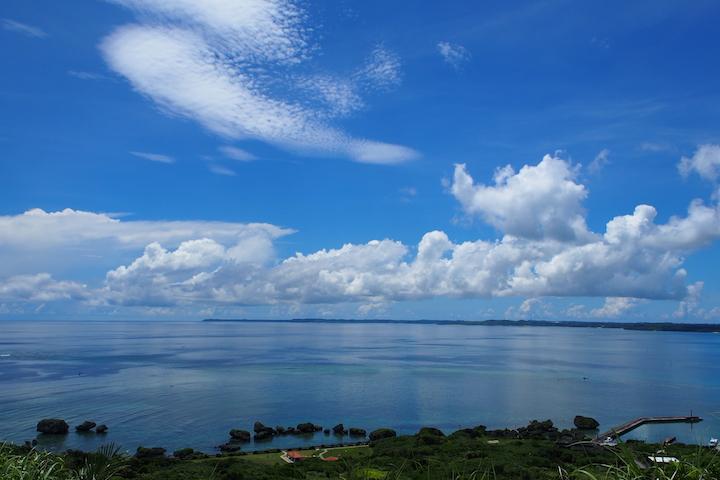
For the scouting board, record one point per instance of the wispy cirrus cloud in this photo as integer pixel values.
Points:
(154, 157)
(218, 63)
(22, 28)
(220, 170)
(453, 54)
(235, 153)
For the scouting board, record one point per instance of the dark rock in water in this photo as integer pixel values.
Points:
(290, 430)
(539, 430)
(280, 430)
(85, 426)
(431, 431)
(357, 432)
(241, 435)
(184, 453)
(258, 427)
(339, 429)
(53, 426)
(381, 433)
(326, 431)
(264, 435)
(101, 428)
(151, 452)
(229, 447)
(585, 423)
(308, 427)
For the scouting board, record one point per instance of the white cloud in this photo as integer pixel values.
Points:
(690, 303)
(600, 160)
(37, 240)
(212, 263)
(235, 153)
(220, 170)
(154, 157)
(86, 75)
(22, 28)
(540, 201)
(40, 287)
(453, 54)
(705, 162)
(219, 62)
(614, 307)
(381, 70)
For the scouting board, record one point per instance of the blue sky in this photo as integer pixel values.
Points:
(172, 159)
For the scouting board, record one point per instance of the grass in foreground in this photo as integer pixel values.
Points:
(457, 457)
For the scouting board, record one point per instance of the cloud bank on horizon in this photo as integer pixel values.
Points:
(218, 62)
(544, 249)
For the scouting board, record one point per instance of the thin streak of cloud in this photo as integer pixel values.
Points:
(22, 28)
(154, 157)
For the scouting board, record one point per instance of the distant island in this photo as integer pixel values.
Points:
(642, 326)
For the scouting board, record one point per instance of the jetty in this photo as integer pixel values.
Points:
(626, 427)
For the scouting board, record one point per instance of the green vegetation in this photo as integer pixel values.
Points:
(463, 455)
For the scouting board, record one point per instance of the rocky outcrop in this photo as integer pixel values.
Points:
(381, 433)
(585, 423)
(259, 427)
(504, 433)
(85, 426)
(264, 435)
(262, 432)
(308, 427)
(357, 432)
(539, 430)
(240, 435)
(102, 428)
(53, 426)
(229, 447)
(339, 429)
(150, 452)
(568, 437)
(436, 432)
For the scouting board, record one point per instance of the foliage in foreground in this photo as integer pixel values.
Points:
(457, 457)
(15, 464)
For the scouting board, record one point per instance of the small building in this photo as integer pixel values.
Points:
(294, 456)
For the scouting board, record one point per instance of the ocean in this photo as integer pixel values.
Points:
(186, 384)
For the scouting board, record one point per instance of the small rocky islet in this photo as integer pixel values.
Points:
(535, 430)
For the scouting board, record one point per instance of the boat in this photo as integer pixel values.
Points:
(609, 442)
(713, 442)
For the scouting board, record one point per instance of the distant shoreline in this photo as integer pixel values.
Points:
(641, 326)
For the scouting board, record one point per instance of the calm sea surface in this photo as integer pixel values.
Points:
(178, 384)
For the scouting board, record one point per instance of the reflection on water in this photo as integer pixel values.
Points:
(177, 384)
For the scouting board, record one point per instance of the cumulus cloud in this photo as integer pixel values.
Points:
(217, 62)
(453, 54)
(22, 28)
(211, 263)
(705, 162)
(614, 307)
(540, 201)
(38, 240)
(40, 287)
